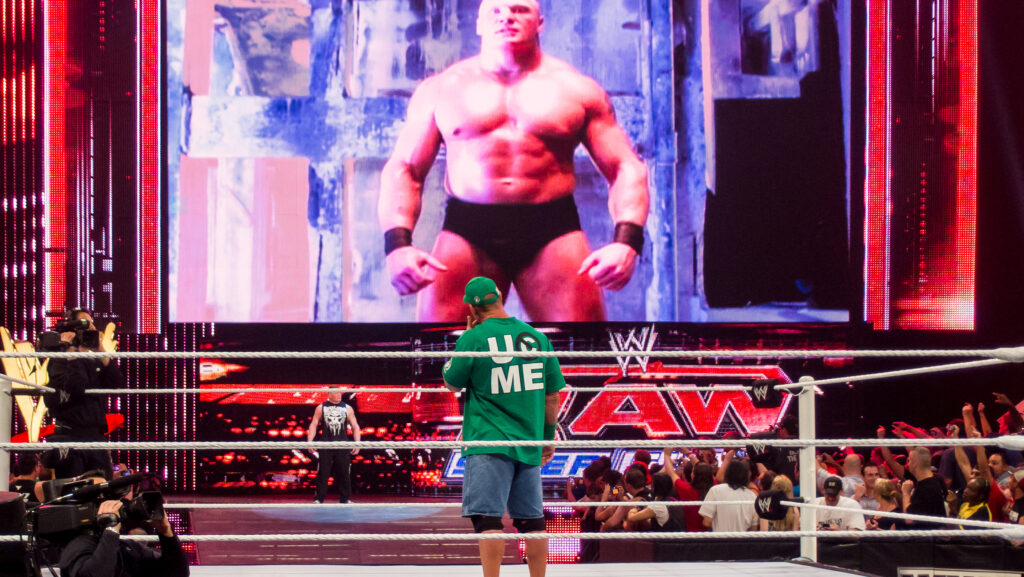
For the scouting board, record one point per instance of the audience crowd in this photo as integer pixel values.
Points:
(975, 482)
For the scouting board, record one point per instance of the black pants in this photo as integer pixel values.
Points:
(74, 462)
(334, 463)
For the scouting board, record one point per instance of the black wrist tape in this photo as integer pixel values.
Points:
(396, 238)
(630, 234)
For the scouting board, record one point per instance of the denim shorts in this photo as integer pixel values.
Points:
(493, 483)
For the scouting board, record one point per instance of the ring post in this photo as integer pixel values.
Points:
(808, 469)
(6, 414)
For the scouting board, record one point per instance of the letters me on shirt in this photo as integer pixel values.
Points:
(504, 394)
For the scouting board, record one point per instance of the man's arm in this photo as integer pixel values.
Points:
(356, 433)
(611, 266)
(969, 424)
(84, 557)
(1014, 421)
(171, 560)
(68, 377)
(986, 427)
(667, 465)
(111, 376)
(983, 470)
(894, 466)
(401, 187)
(550, 420)
(720, 473)
(311, 431)
(962, 461)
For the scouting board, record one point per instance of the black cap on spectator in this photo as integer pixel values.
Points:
(833, 486)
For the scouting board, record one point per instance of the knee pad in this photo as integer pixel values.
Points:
(530, 525)
(483, 523)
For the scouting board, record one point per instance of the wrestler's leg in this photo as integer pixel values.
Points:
(441, 301)
(551, 290)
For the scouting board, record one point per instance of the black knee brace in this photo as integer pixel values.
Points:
(483, 523)
(530, 525)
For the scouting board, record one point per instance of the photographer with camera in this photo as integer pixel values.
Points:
(78, 416)
(99, 551)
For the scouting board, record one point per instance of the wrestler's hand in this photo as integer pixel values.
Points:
(412, 269)
(611, 266)
(546, 454)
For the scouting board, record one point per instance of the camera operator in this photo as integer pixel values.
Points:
(103, 553)
(78, 416)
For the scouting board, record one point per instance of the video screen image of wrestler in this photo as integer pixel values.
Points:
(601, 160)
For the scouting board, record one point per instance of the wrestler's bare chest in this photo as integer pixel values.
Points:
(537, 107)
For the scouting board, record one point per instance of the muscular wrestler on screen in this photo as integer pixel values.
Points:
(510, 119)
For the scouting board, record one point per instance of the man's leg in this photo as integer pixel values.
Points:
(342, 467)
(441, 301)
(525, 505)
(491, 553)
(551, 290)
(485, 490)
(324, 473)
(537, 556)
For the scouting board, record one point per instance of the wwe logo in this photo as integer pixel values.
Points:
(633, 342)
(760, 391)
(764, 504)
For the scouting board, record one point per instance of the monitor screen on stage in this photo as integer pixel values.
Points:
(295, 144)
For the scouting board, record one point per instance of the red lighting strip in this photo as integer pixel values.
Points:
(876, 185)
(55, 163)
(149, 146)
(961, 315)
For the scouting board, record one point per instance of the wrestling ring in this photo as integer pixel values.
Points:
(803, 564)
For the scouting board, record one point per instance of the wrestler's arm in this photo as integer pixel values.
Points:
(401, 187)
(611, 266)
(311, 431)
(357, 434)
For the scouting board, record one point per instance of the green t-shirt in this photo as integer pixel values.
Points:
(504, 394)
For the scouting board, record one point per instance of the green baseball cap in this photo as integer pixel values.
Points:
(481, 291)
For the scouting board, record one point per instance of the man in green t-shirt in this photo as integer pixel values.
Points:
(507, 398)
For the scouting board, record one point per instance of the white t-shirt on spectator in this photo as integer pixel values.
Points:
(842, 519)
(729, 517)
(660, 512)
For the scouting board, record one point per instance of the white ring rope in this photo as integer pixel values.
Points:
(893, 374)
(1010, 532)
(1011, 354)
(905, 516)
(1013, 442)
(427, 505)
(804, 384)
(398, 389)
(581, 504)
(42, 388)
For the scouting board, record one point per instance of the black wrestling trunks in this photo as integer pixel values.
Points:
(512, 234)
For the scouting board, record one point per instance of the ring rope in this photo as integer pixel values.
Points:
(803, 384)
(1011, 354)
(1010, 532)
(443, 505)
(581, 504)
(42, 388)
(892, 374)
(398, 389)
(906, 516)
(1014, 442)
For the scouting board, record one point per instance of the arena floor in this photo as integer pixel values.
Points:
(517, 570)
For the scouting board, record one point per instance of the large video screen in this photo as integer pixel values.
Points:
(295, 144)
